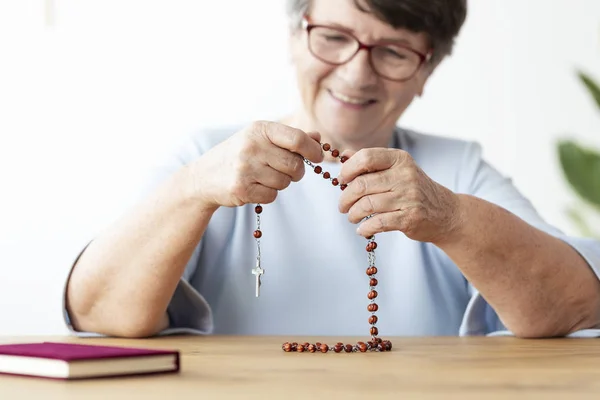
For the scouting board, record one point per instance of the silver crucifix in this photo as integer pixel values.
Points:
(258, 272)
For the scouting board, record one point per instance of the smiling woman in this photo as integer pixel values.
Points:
(459, 250)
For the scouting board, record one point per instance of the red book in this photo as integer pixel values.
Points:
(78, 361)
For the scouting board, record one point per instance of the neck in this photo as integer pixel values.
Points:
(380, 138)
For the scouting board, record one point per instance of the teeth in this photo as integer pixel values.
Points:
(347, 99)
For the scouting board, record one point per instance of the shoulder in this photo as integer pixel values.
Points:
(448, 160)
(194, 144)
(423, 143)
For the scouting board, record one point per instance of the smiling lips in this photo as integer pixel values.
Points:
(353, 102)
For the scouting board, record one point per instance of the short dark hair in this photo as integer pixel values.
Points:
(441, 20)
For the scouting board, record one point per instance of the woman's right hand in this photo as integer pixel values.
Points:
(253, 165)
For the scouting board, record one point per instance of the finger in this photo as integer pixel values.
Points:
(258, 193)
(384, 222)
(272, 178)
(365, 161)
(373, 204)
(294, 140)
(286, 162)
(373, 183)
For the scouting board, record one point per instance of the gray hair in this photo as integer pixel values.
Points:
(441, 20)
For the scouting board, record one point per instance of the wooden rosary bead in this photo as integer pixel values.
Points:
(374, 331)
(326, 175)
(300, 348)
(312, 348)
(372, 294)
(306, 344)
(343, 186)
(324, 348)
(373, 319)
(371, 246)
(349, 348)
(335, 152)
(335, 182)
(257, 234)
(338, 348)
(258, 209)
(362, 347)
(343, 159)
(373, 282)
(372, 307)
(287, 347)
(326, 146)
(318, 169)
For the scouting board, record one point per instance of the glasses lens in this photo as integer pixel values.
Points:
(332, 45)
(395, 62)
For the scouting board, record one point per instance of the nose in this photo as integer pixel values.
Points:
(358, 71)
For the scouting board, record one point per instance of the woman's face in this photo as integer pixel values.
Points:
(350, 102)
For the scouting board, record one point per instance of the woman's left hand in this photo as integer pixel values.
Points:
(389, 184)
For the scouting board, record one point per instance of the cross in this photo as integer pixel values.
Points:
(258, 271)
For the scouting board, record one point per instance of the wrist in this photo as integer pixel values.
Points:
(194, 190)
(457, 221)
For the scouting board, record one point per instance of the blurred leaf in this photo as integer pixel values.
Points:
(582, 170)
(579, 221)
(591, 86)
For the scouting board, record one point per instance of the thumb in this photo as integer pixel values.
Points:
(315, 135)
(348, 153)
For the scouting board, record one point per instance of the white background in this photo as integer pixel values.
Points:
(93, 91)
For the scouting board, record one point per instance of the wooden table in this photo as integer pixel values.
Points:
(417, 368)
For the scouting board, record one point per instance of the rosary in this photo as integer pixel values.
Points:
(376, 343)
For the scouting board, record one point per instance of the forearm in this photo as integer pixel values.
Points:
(123, 282)
(538, 284)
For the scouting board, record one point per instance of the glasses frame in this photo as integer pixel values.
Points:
(308, 27)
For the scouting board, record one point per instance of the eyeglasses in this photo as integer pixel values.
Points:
(337, 46)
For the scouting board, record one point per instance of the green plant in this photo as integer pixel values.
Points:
(581, 168)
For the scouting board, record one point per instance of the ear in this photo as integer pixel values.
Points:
(294, 39)
(422, 78)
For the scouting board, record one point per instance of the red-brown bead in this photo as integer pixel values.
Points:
(343, 159)
(258, 209)
(324, 348)
(326, 175)
(362, 347)
(372, 294)
(372, 307)
(348, 348)
(371, 246)
(373, 319)
(312, 348)
(343, 186)
(338, 348)
(318, 169)
(335, 152)
(373, 282)
(371, 271)
(335, 182)
(257, 234)
(326, 146)
(374, 331)
(287, 347)
(300, 348)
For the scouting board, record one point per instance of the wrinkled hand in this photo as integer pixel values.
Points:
(389, 184)
(253, 165)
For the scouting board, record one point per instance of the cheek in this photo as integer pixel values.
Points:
(311, 74)
(400, 95)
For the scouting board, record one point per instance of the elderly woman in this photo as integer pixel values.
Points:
(247, 229)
